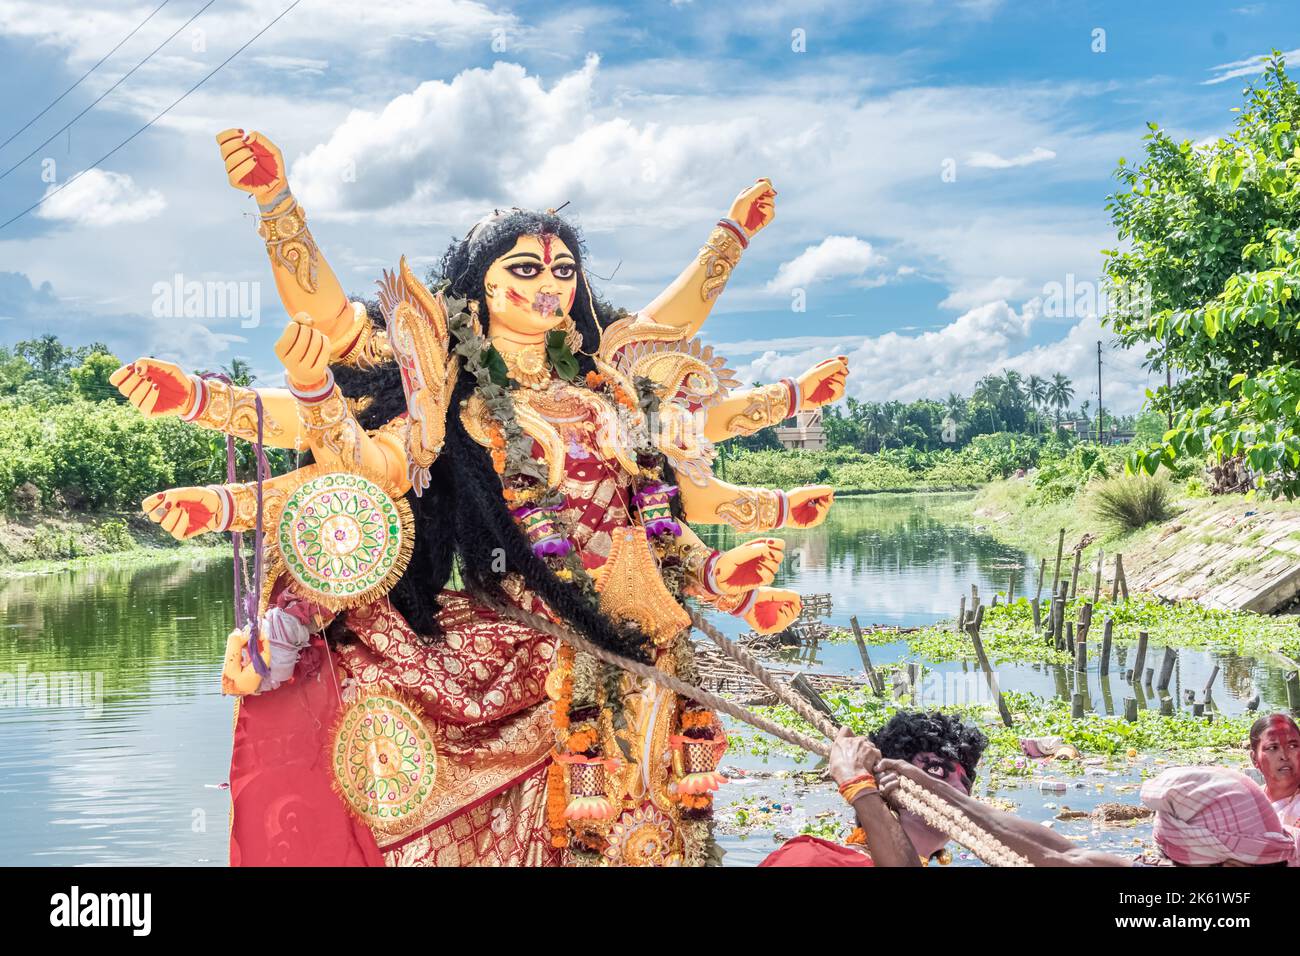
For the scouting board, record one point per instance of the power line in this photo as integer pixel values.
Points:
(84, 75)
(107, 91)
(169, 108)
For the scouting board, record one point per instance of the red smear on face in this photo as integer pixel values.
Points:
(767, 613)
(547, 239)
(264, 169)
(198, 514)
(806, 511)
(747, 574)
(754, 217)
(515, 297)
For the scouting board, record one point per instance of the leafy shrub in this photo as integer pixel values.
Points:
(1130, 502)
(115, 535)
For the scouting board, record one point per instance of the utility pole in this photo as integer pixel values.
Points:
(1101, 415)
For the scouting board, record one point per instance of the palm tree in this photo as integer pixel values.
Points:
(1036, 391)
(1059, 395)
(239, 372)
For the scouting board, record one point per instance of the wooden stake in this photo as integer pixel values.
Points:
(1167, 668)
(1141, 657)
(877, 685)
(809, 693)
(1042, 570)
(974, 630)
(1131, 709)
(1105, 646)
(961, 615)
(1078, 704)
(1033, 606)
(1060, 549)
(1209, 684)
(1114, 584)
(1096, 584)
(1123, 578)
(1074, 575)
(1293, 690)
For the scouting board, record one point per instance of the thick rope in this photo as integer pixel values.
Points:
(934, 810)
(782, 690)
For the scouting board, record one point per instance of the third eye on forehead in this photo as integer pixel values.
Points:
(562, 255)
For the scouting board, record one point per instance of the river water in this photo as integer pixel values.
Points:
(123, 758)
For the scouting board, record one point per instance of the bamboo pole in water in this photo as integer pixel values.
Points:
(1060, 550)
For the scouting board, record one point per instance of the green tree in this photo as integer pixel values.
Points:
(1214, 237)
(90, 378)
(48, 356)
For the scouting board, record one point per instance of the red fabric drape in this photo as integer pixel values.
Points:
(814, 851)
(284, 810)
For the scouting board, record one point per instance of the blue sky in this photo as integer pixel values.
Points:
(404, 121)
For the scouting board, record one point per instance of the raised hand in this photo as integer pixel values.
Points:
(184, 512)
(824, 382)
(809, 505)
(749, 565)
(254, 164)
(754, 207)
(156, 388)
(305, 352)
(852, 756)
(774, 610)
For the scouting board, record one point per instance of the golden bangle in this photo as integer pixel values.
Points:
(290, 244)
(754, 509)
(719, 256)
(767, 405)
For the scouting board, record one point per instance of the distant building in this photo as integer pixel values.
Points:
(803, 430)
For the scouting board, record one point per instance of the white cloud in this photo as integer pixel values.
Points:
(1247, 67)
(967, 297)
(983, 340)
(99, 197)
(986, 160)
(835, 257)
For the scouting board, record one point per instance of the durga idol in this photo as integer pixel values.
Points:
(489, 446)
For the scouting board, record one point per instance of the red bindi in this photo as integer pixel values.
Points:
(546, 239)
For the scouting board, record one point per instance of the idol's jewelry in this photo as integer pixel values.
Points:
(327, 423)
(368, 346)
(755, 509)
(229, 409)
(290, 244)
(768, 405)
(278, 198)
(239, 505)
(796, 395)
(719, 256)
(527, 366)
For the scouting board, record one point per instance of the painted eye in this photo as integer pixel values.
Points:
(524, 270)
(936, 770)
(564, 271)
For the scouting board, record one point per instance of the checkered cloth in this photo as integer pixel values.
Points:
(1206, 816)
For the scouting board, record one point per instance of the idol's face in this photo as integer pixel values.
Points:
(531, 288)
(1277, 757)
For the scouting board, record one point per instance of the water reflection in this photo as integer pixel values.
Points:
(139, 782)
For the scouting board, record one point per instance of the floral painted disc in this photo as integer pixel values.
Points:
(344, 539)
(642, 837)
(384, 761)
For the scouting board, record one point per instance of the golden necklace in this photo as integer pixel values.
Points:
(528, 365)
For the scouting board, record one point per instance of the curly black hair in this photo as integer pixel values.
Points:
(461, 519)
(909, 733)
